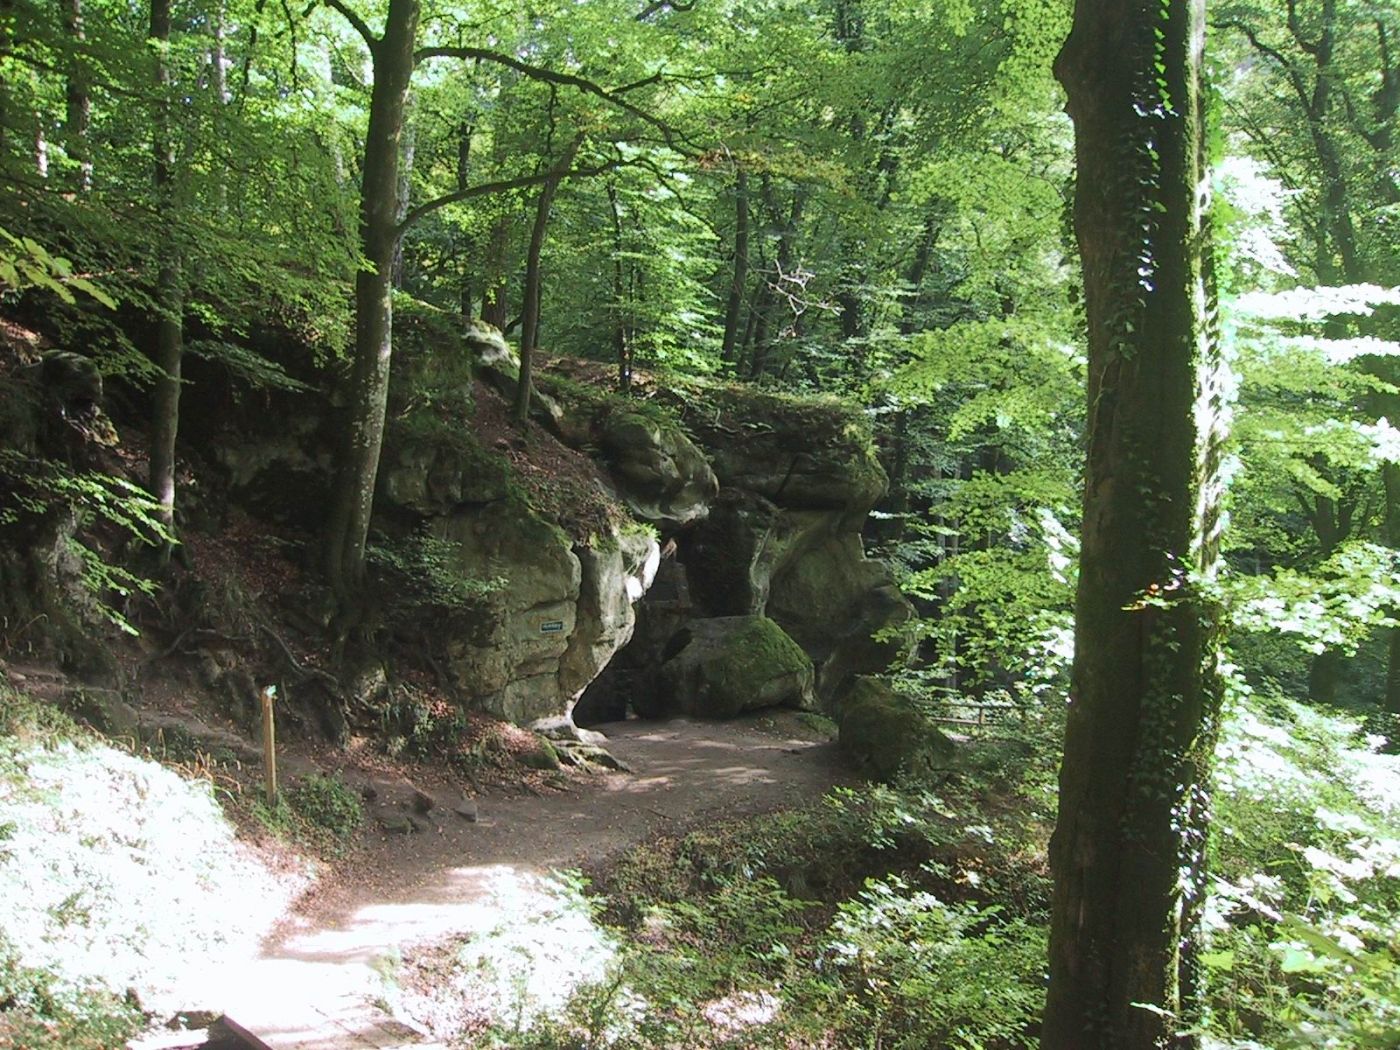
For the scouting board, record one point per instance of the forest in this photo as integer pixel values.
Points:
(995, 392)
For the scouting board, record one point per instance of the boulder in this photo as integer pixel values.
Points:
(832, 599)
(499, 365)
(885, 736)
(561, 612)
(722, 667)
(662, 475)
(732, 555)
(430, 474)
(801, 453)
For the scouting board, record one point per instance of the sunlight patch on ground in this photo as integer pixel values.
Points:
(541, 947)
(120, 874)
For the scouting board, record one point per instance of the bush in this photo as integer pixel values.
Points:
(39, 1011)
(329, 812)
(1303, 938)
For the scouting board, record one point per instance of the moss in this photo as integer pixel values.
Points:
(759, 652)
(540, 755)
(886, 736)
(601, 403)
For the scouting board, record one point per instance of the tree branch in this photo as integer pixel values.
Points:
(550, 76)
(486, 189)
(356, 22)
(1296, 29)
(1295, 78)
(663, 5)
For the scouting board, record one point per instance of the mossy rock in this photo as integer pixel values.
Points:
(540, 755)
(662, 474)
(722, 667)
(885, 736)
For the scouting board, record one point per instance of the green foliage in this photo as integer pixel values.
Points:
(328, 804)
(1302, 926)
(40, 1011)
(36, 488)
(424, 569)
(868, 920)
(25, 263)
(914, 970)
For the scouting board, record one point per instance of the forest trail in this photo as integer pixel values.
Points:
(319, 982)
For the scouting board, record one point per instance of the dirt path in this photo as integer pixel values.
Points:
(316, 984)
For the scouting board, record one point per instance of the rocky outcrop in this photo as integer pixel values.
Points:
(885, 736)
(662, 475)
(558, 613)
(722, 667)
(757, 499)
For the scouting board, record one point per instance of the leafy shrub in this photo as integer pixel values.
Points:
(326, 803)
(423, 568)
(39, 1011)
(904, 968)
(1303, 936)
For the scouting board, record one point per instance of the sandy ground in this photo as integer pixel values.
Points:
(320, 981)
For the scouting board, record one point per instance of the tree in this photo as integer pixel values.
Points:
(1127, 854)
(169, 345)
(1322, 111)
(392, 56)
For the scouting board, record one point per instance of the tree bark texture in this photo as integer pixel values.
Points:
(1128, 848)
(78, 100)
(353, 498)
(495, 308)
(622, 343)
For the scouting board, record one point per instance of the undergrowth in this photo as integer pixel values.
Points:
(1303, 935)
(117, 873)
(904, 916)
(319, 812)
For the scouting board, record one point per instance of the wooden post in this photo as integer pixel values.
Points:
(269, 693)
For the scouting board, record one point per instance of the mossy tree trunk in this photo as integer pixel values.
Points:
(353, 498)
(1127, 853)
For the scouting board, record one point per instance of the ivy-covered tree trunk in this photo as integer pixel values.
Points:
(169, 342)
(1128, 849)
(353, 498)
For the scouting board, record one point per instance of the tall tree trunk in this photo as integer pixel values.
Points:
(1390, 473)
(530, 309)
(407, 151)
(353, 499)
(1127, 854)
(465, 294)
(734, 308)
(7, 38)
(169, 296)
(918, 268)
(79, 102)
(495, 307)
(622, 345)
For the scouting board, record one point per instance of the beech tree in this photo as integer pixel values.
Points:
(1128, 849)
(353, 498)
